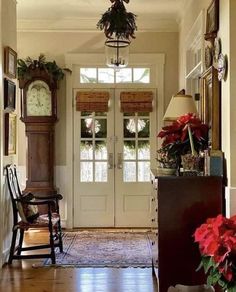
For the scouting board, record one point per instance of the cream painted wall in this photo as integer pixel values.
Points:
(56, 44)
(227, 35)
(7, 38)
(224, 34)
(232, 79)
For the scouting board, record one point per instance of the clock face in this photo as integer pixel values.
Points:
(38, 99)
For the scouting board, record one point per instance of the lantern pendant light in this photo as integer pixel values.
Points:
(119, 26)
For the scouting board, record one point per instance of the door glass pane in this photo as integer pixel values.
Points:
(87, 128)
(144, 114)
(143, 171)
(128, 114)
(143, 150)
(141, 75)
(86, 150)
(88, 75)
(129, 173)
(86, 171)
(129, 128)
(105, 75)
(93, 127)
(100, 150)
(86, 114)
(100, 114)
(100, 171)
(129, 150)
(100, 128)
(143, 128)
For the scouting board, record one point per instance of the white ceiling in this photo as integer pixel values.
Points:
(75, 15)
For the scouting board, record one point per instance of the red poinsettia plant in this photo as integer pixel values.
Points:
(185, 135)
(217, 244)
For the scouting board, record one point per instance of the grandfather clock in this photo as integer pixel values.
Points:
(39, 113)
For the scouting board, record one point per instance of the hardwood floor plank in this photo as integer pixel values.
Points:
(21, 277)
(77, 279)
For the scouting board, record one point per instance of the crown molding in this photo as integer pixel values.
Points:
(152, 24)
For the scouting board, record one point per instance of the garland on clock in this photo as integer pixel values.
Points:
(25, 68)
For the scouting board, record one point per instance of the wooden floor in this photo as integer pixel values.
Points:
(20, 276)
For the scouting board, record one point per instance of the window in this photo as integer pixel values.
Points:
(109, 75)
(93, 147)
(136, 147)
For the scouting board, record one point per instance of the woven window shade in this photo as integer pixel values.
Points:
(92, 101)
(136, 101)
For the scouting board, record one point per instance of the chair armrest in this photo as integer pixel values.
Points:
(51, 197)
(41, 202)
(26, 197)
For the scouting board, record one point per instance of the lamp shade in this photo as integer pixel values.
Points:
(179, 105)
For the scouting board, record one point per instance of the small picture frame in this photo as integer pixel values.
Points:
(10, 134)
(10, 60)
(212, 17)
(9, 95)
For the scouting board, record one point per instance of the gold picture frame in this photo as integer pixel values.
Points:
(210, 106)
(10, 61)
(212, 17)
(10, 134)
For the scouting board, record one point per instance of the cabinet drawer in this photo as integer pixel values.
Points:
(153, 240)
(155, 184)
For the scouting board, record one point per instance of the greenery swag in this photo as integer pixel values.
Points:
(116, 21)
(25, 66)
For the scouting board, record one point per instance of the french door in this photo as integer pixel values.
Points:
(113, 154)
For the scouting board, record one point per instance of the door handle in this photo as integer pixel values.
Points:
(119, 161)
(110, 161)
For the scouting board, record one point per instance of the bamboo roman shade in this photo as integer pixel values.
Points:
(136, 101)
(92, 101)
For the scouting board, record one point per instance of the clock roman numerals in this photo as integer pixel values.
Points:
(38, 99)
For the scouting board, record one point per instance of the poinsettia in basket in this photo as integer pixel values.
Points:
(186, 135)
(217, 244)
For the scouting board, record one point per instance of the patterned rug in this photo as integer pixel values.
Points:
(104, 249)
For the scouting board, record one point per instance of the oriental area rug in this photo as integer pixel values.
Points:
(104, 249)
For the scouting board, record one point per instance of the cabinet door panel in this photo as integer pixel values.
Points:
(40, 156)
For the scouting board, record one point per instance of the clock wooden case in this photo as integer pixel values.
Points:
(39, 113)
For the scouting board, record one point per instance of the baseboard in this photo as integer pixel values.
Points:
(63, 223)
(5, 255)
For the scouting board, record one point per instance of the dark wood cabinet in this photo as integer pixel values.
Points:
(182, 204)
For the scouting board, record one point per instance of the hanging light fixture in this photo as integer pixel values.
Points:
(119, 26)
(117, 52)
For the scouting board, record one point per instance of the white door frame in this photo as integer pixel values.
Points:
(73, 61)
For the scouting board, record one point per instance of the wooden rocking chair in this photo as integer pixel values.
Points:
(26, 215)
